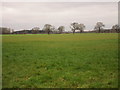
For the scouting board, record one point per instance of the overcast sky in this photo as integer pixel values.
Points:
(26, 15)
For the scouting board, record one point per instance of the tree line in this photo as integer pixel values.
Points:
(48, 28)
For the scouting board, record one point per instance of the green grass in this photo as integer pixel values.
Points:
(60, 61)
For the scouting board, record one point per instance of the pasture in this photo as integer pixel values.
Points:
(86, 60)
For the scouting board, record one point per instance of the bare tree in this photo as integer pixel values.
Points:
(52, 28)
(81, 27)
(99, 26)
(48, 28)
(12, 31)
(5, 30)
(76, 26)
(35, 30)
(116, 28)
(61, 29)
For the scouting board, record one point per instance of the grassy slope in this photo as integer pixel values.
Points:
(66, 60)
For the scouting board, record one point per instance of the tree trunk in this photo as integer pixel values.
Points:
(99, 29)
(73, 31)
(48, 32)
(80, 31)
(117, 30)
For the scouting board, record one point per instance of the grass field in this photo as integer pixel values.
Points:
(60, 61)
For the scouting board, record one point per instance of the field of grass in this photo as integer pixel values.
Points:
(60, 61)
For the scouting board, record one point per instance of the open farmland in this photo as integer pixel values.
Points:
(60, 61)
